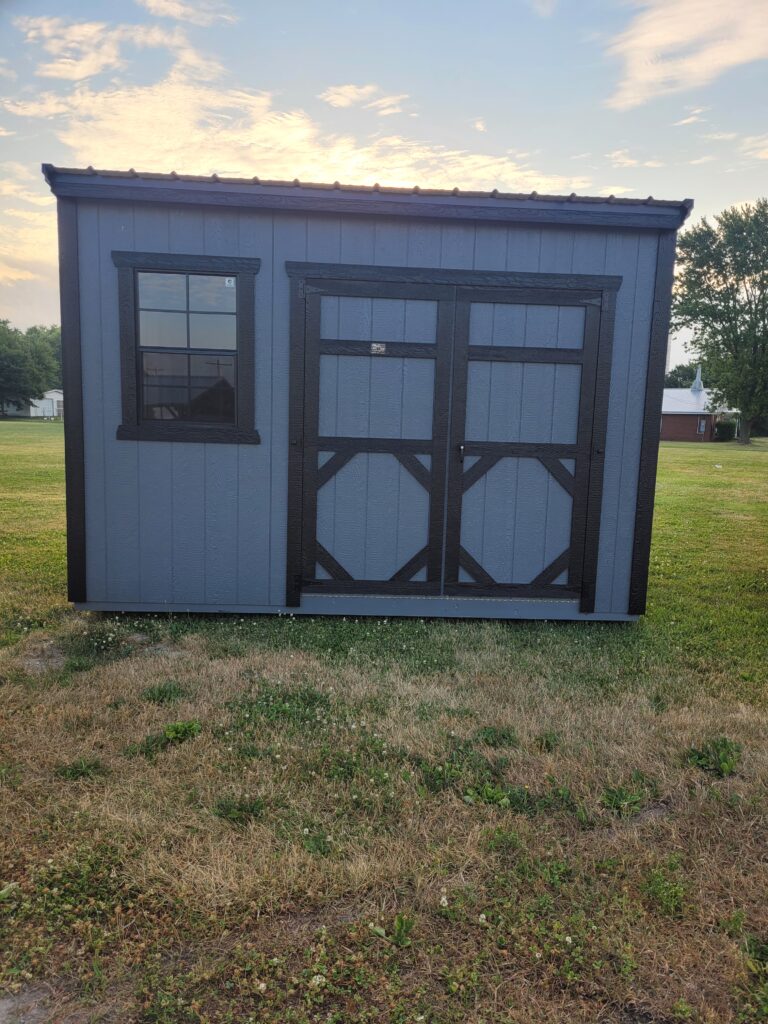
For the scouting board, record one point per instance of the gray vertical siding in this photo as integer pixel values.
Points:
(198, 525)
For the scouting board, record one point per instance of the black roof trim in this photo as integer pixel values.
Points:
(131, 185)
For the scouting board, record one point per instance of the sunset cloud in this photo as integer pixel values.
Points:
(348, 95)
(674, 45)
(622, 158)
(83, 49)
(200, 13)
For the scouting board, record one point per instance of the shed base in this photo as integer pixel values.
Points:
(397, 607)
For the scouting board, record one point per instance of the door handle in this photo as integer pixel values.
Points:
(461, 452)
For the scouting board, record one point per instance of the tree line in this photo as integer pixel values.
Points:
(721, 294)
(30, 364)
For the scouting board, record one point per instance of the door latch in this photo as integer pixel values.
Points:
(461, 452)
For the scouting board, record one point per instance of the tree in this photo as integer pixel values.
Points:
(721, 293)
(680, 376)
(27, 367)
(48, 337)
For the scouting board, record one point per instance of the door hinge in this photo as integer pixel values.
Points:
(302, 289)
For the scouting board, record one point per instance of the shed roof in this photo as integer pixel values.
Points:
(88, 183)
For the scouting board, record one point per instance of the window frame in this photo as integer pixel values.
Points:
(132, 428)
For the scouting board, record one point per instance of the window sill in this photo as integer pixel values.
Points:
(191, 433)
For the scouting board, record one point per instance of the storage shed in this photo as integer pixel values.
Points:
(289, 397)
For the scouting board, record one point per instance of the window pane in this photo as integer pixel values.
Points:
(212, 292)
(163, 330)
(213, 330)
(212, 388)
(162, 291)
(165, 387)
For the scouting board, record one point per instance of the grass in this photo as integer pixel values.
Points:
(212, 820)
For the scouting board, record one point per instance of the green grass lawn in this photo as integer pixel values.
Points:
(296, 821)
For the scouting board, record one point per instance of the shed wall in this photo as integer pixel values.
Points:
(204, 526)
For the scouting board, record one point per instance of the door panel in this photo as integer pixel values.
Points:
(376, 378)
(523, 383)
(373, 516)
(526, 325)
(367, 396)
(537, 402)
(516, 519)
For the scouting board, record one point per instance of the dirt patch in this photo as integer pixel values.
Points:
(42, 656)
(166, 649)
(30, 1006)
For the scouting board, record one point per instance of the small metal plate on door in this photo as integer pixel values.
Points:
(378, 348)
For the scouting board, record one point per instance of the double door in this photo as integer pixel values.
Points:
(446, 438)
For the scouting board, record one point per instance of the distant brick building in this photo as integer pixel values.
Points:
(686, 413)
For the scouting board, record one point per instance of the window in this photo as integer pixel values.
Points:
(187, 347)
(702, 425)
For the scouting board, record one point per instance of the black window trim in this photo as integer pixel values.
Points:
(243, 431)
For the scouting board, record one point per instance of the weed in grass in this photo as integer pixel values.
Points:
(82, 768)
(9, 775)
(99, 642)
(171, 736)
(316, 840)
(302, 708)
(496, 736)
(462, 981)
(682, 1010)
(169, 692)
(547, 742)
(664, 890)
(502, 840)
(753, 996)
(239, 810)
(627, 800)
(400, 934)
(719, 756)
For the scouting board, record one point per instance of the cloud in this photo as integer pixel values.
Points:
(692, 118)
(178, 123)
(756, 146)
(5, 71)
(28, 247)
(613, 190)
(362, 95)
(701, 160)
(14, 189)
(87, 48)
(387, 105)
(203, 12)
(544, 8)
(673, 45)
(348, 95)
(4, 132)
(622, 158)
(719, 136)
(479, 125)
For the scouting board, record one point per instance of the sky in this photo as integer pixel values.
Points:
(627, 97)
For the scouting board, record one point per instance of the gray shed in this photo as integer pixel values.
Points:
(360, 400)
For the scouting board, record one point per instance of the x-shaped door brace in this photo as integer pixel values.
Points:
(423, 476)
